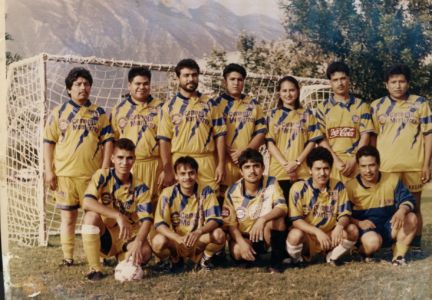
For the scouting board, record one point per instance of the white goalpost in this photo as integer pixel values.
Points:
(36, 85)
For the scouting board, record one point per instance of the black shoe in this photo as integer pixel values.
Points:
(219, 258)
(67, 262)
(274, 269)
(95, 275)
(177, 267)
(399, 261)
(205, 264)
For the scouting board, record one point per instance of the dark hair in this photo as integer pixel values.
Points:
(398, 70)
(319, 153)
(124, 144)
(250, 155)
(186, 63)
(74, 74)
(138, 71)
(296, 84)
(186, 160)
(368, 151)
(337, 66)
(234, 68)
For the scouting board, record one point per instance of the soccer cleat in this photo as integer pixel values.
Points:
(219, 258)
(399, 261)
(205, 264)
(67, 262)
(177, 267)
(95, 275)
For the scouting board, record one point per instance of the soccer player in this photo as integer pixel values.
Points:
(320, 211)
(118, 213)
(188, 220)
(244, 118)
(254, 211)
(136, 118)
(77, 141)
(292, 134)
(190, 125)
(403, 127)
(345, 121)
(382, 207)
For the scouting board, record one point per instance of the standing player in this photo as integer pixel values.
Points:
(254, 211)
(187, 219)
(244, 118)
(382, 207)
(292, 134)
(345, 121)
(118, 212)
(191, 125)
(320, 211)
(77, 141)
(136, 118)
(403, 125)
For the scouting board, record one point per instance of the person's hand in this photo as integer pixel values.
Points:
(337, 235)
(246, 251)
(193, 237)
(220, 173)
(426, 174)
(339, 164)
(235, 154)
(125, 227)
(166, 178)
(350, 166)
(256, 234)
(51, 180)
(324, 240)
(398, 219)
(290, 166)
(135, 253)
(366, 225)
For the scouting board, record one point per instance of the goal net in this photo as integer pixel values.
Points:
(36, 86)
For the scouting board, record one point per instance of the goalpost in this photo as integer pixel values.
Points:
(36, 85)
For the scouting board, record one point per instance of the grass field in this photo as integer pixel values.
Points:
(35, 274)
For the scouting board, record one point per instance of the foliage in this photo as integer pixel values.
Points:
(11, 57)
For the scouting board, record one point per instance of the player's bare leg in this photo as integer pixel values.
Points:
(371, 242)
(146, 251)
(294, 244)
(404, 236)
(210, 244)
(67, 235)
(350, 236)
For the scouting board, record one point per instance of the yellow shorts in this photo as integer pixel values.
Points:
(70, 192)
(412, 180)
(206, 168)
(111, 244)
(232, 174)
(148, 171)
(313, 247)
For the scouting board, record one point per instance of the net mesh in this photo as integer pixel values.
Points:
(36, 86)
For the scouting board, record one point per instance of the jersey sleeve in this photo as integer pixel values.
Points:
(162, 212)
(260, 122)
(295, 207)
(271, 135)
(425, 118)
(278, 198)
(403, 196)
(219, 125)
(165, 128)
(344, 204)
(228, 211)
(374, 118)
(366, 124)
(114, 124)
(314, 132)
(52, 130)
(211, 208)
(106, 133)
(93, 190)
(144, 206)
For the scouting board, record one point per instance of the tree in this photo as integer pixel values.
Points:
(11, 57)
(369, 35)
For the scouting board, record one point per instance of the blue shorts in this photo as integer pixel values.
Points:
(384, 230)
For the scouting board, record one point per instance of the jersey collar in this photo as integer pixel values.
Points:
(74, 104)
(131, 101)
(315, 190)
(117, 179)
(230, 98)
(179, 95)
(345, 104)
(260, 187)
(358, 177)
(286, 109)
(186, 196)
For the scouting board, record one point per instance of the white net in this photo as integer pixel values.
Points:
(36, 86)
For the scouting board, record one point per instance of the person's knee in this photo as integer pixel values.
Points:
(352, 232)
(295, 236)
(69, 217)
(219, 236)
(91, 218)
(159, 243)
(372, 241)
(277, 224)
(411, 221)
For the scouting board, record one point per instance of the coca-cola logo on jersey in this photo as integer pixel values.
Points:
(341, 132)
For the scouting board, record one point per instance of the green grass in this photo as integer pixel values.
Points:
(36, 270)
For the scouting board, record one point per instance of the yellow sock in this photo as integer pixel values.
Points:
(67, 241)
(399, 250)
(91, 244)
(213, 248)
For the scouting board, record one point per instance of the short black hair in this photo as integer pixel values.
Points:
(186, 63)
(74, 74)
(368, 151)
(124, 144)
(296, 84)
(319, 153)
(234, 68)
(186, 160)
(398, 70)
(250, 155)
(337, 66)
(139, 71)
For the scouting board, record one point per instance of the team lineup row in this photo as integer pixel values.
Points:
(215, 132)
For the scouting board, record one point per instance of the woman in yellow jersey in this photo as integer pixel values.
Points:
(292, 134)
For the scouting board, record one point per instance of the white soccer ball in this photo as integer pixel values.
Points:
(127, 271)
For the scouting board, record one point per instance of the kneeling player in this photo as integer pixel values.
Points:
(118, 213)
(382, 207)
(187, 219)
(254, 211)
(320, 211)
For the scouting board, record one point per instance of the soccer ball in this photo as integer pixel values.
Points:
(127, 271)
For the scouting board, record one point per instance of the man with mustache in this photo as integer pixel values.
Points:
(382, 208)
(320, 211)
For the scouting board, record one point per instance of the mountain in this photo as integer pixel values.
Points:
(140, 30)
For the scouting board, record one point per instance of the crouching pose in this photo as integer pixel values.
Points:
(118, 213)
(383, 208)
(254, 211)
(320, 211)
(187, 220)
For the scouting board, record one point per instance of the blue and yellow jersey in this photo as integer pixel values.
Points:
(132, 200)
(244, 119)
(191, 124)
(379, 202)
(320, 209)
(78, 133)
(242, 210)
(138, 122)
(184, 214)
(400, 127)
(290, 131)
(343, 123)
